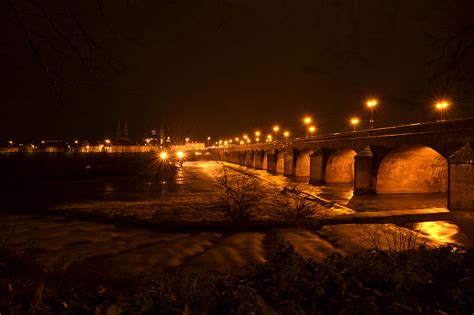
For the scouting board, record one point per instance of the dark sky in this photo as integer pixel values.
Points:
(225, 67)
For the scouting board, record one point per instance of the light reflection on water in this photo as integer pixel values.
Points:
(344, 194)
(442, 231)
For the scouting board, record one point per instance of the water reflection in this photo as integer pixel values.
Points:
(344, 194)
(442, 231)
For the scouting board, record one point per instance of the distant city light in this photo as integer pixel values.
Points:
(163, 155)
(311, 129)
(307, 120)
(276, 128)
(107, 141)
(180, 154)
(257, 133)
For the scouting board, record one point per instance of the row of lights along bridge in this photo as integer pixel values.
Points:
(440, 106)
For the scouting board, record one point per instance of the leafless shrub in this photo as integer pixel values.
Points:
(240, 193)
(392, 238)
(290, 205)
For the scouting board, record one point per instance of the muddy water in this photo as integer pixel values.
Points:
(24, 222)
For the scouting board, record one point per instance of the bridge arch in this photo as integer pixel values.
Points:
(340, 166)
(412, 169)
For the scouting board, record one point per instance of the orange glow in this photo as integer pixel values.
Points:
(257, 139)
(163, 155)
(245, 136)
(269, 137)
(312, 129)
(180, 154)
(187, 139)
(286, 134)
(307, 120)
(107, 141)
(355, 121)
(236, 139)
(372, 103)
(257, 133)
(241, 142)
(276, 128)
(443, 104)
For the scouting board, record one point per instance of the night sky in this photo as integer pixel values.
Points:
(222, 68)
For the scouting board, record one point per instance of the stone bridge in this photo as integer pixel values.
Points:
(416, 158)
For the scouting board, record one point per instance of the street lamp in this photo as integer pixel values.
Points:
(269, 138)
(286, 134)
(442, 106)
(354, 122)
(208, 140)
(371, 104)
(257, 136)
(275, 130)
(311, 130)
(307, 120)
(187, 140)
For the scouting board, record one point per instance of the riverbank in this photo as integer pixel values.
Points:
(416, 281)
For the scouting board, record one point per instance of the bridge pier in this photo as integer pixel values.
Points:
(276, 163)
(288, 170)
(249, 159)
(461, 179)
(317, 167)
(365, 177)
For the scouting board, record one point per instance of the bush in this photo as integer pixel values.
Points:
(289, 205)
(417, 281)
(240, 193)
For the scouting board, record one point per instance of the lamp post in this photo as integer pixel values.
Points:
(286, 134)
(257, 136)
(371, 105)
(354, 122)
(275, 131)
(441, 107)
(306, 121)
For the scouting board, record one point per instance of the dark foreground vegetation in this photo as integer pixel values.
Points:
(418, 281)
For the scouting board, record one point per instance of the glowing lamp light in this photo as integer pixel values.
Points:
(236, 139)
(257, 139)
(230, 140)
(187, 140)
(307, 120)
(107, 141)
(442, 105)
(241, 142)
(269, 137)
(286, 134)
(76, 141)
(354, 122)
(180, 154)
(276, 128)
(312, 129)
(257, 133)
(163, 155)
(372, 103)
(245, 136)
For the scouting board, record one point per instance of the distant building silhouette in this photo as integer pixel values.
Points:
(122, 134)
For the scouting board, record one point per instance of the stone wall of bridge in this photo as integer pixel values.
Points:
(414, 160)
